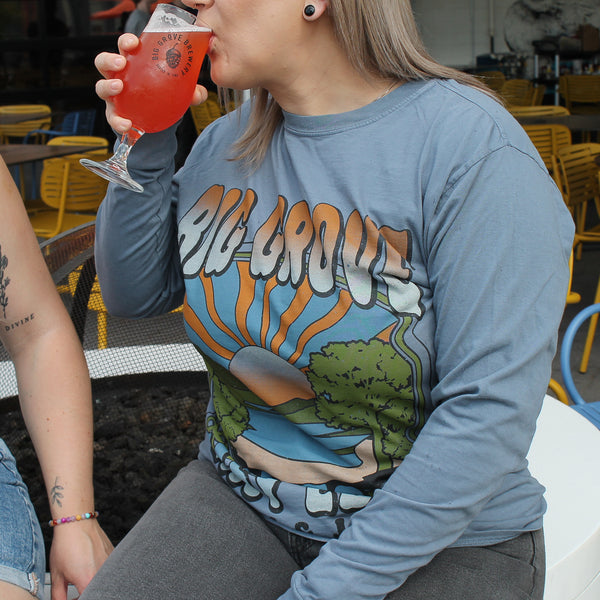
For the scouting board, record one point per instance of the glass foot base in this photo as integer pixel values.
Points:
(113, 172)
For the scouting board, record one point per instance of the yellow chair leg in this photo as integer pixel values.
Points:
(102, 336)
(559, 391)
(587, 348)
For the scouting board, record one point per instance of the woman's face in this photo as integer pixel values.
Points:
(255, 42)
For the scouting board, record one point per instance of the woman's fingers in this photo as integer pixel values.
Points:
(127, 42)
(109, 64)
(107, 88)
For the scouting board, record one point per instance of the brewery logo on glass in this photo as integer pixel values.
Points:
(173, 57)
(173, 54)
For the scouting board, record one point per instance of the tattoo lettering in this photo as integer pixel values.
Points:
(56, 493)
(4, 281)
(20, 322)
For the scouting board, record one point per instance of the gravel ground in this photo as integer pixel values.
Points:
(143, 436)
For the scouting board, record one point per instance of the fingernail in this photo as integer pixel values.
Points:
(115, 86)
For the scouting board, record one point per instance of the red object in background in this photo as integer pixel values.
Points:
(124, 6)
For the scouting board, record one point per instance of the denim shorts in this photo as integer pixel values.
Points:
(22, 554)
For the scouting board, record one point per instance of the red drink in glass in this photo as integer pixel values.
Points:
(160, 77)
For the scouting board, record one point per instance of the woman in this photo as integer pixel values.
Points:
(374, 261)
(55, 396)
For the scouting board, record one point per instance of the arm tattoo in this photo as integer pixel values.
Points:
(56, 493)
(4, 281)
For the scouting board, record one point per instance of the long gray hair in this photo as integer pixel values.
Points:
(382, 40)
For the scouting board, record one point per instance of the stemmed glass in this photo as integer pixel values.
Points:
(158, 84)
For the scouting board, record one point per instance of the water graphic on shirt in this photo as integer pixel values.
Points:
(306, 324)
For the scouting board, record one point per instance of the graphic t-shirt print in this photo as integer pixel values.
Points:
(302, 318)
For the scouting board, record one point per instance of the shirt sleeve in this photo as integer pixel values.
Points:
(497, 245)
(136, 234)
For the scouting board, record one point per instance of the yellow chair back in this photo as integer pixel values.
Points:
(517, 91)
(40, 112)
(578, 172)
(581, 93)
(70, 192)
(538, 111)
(79, 140)
(548, 139)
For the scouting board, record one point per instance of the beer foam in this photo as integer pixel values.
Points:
(170, 23)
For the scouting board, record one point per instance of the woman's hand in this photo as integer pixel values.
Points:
(108, 64)
(78, 551)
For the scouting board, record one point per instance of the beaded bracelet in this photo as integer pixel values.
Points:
(89, 515)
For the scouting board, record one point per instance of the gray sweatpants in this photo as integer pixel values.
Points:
(199, 541)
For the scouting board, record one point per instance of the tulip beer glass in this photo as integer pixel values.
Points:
(158, 83)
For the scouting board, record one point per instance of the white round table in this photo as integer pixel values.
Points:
(565, 457)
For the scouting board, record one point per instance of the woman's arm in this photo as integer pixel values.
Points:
(137, 256)
(54, 391)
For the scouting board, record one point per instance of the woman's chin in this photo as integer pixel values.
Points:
(222, 79)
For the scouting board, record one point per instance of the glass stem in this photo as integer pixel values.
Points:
(126, 144)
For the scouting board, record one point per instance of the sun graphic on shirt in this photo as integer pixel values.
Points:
(267, 342)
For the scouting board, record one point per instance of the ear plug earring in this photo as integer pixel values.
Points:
(309, 10)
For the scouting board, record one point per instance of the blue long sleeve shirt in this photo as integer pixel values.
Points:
(377, 306)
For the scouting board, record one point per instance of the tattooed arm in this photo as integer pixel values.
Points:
(54, 391)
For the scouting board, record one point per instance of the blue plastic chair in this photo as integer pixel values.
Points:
(590, 410)
(78, 122)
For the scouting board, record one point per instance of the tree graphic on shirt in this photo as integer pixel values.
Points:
(366, 388)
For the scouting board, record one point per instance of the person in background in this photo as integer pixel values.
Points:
(55, 397)
(138, 19)
(374, 263)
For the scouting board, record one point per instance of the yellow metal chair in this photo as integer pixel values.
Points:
(518, 92)
(549, 110)
(70, 192)
(581, 93)
(17, 131)
(587, 348)
(204, 114)
(578, 172)
(548, 139)
(11, 131)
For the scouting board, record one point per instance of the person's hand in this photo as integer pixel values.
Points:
(108, 64)
(78, 551)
